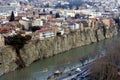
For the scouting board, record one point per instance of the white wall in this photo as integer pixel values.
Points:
(37, 22)
(46, 35)
(25, 23)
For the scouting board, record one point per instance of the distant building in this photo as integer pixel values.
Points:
(25, 22)
(16, 5)
(61, 31)
(37, 22)
(73, 26)
(96, 14)
(67, 13)
(30, 22)
(108, 22)
(6, 11)
(45, 33)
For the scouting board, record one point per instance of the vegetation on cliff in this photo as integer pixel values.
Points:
(18, 42)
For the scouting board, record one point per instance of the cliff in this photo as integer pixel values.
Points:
(40, 49)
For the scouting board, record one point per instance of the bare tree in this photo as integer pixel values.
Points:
(104, 70)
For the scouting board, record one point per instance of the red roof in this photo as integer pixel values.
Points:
(21, 14)
(6, 29)
(52, 20)
(44, 30)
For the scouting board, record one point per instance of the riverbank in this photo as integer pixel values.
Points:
(38, 50)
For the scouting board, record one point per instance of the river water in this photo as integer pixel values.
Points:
(40, 70)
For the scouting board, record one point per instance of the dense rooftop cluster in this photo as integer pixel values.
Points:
(42, 22)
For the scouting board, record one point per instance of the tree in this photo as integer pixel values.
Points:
(43, 10)
(34, 28)
(18, 42)
(57, 15)
(51, 12)
(104, 70)
(33, 12)
(77, 16)
(12, 17)
(107, 67)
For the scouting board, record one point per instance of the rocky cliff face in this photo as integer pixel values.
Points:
(7, 60)
(37, 49)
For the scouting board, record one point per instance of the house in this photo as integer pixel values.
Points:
(108, 14)
(30, 22)
(25, 22)
(61, 31)
(73, 26)
(45, 33)
(53, 22)
(22, 14)
(24, 33)
(95, 14)
(70, 13)
(77, 26)
(37, 22)
(84, 24)
(67, 13)
(4, 21)
(108, 22)
(5, 30)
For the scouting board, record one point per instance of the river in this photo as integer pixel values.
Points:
(40, 70)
